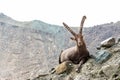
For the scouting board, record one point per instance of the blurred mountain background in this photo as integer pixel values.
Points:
(32, 47)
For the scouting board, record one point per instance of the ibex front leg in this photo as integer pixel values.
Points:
(80, 64)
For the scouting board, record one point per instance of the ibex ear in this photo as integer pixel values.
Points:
(72, 38)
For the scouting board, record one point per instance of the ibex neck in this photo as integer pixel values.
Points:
(81, 48)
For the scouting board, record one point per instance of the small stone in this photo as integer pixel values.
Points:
(98, 47)
(108, 42)
(118, 41)
(116, 49)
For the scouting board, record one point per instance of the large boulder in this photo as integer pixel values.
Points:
(63, 67)
(110, 70)
(108, 42)
(101, 56)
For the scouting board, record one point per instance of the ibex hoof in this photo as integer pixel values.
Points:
(78, 70)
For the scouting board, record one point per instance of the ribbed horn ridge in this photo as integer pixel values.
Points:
(69, 29)
(82, 23)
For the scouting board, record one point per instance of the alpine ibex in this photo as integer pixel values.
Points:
(79, 53)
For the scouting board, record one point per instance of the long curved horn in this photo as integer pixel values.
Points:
(81, 25)
(69, 29)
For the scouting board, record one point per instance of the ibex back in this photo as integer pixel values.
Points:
(79, 53)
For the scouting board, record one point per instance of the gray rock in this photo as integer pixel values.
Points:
(108, 42)
(101, 55)
(118, 41)
(110, 71)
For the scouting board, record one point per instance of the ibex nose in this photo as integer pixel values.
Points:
(79, 43)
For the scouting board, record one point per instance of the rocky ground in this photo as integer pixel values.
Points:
(91, 70)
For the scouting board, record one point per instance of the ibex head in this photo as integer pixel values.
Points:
(77, 37)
